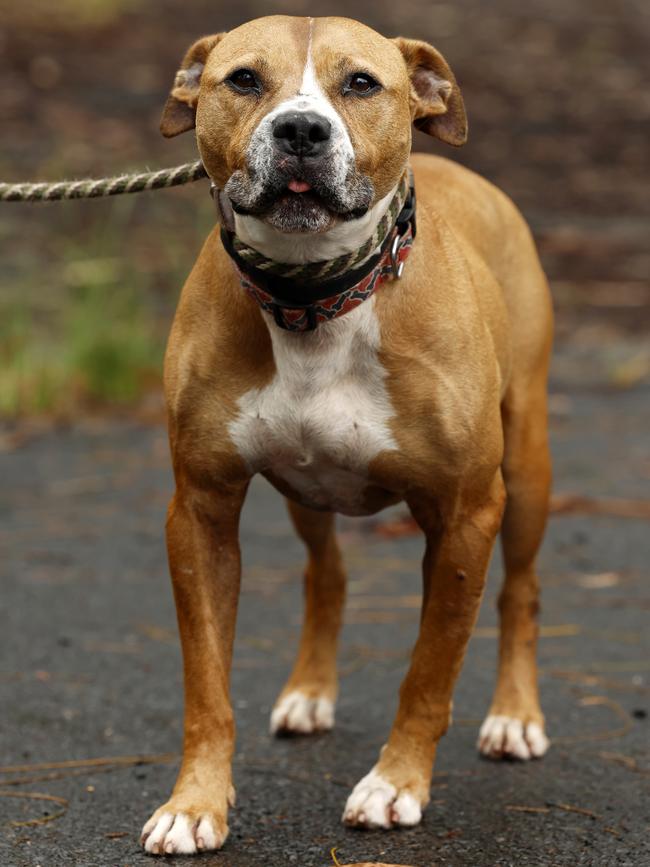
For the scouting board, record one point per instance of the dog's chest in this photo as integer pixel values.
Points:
(325, 415)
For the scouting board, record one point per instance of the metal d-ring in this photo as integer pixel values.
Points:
(398, 267)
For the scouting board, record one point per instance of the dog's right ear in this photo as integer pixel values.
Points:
(179, 113)
(437, 106)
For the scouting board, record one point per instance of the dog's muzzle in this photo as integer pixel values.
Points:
(300, 173)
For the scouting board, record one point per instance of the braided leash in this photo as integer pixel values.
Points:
(91, 189)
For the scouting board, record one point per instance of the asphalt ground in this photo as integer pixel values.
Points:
(91, 666)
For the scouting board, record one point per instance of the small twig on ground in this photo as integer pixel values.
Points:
(556, 805)
(586, 679)
(162, 758)
(626, 761)
(61, 775)
(621, 713)
(569, 808)
(559, 630)
(36, 796)
(566, 808)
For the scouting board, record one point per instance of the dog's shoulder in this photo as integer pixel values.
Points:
(219, 345)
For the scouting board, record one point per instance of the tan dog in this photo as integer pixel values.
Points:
(432, 390)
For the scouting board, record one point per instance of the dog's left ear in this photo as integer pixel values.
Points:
(179, 113)
(437, 106)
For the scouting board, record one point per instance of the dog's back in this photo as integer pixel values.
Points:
(490, 223)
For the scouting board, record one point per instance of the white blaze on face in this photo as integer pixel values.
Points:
(310, 97)
(309, 85)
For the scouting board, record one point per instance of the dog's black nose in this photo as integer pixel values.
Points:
(301, 133)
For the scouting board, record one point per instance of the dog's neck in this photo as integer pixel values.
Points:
(299, 248)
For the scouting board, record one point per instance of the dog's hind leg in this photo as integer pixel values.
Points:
(514, 727)
(306, 704)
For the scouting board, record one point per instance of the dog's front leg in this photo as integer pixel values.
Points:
(460, 536)
(204, 559)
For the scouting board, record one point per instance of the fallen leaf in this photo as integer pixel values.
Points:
(337, 863)
(570, 504)
(396, 528)
(599, 581)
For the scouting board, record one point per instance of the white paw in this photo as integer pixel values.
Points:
(177, 834)
(507, 737)
(376, 803)
(296, 713)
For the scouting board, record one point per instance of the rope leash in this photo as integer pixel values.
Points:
(91, 189)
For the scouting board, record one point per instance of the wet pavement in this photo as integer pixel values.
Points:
(91, 667)
(90, 664)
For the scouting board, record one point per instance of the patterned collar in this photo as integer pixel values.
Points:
(300, 297)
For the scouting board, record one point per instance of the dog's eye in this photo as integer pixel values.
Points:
(244, 81)
(362, 84)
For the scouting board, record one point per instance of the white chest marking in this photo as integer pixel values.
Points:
(324, 416)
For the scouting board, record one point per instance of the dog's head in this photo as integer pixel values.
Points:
(306, 122)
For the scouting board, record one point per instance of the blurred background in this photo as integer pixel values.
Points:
(558, 97)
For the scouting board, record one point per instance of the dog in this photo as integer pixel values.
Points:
(356, 359)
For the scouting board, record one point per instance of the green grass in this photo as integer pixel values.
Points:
(99, 347)
(88, 300)
(88, 289)
(68, 14)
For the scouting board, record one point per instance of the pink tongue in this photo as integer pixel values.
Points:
(299, 186)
